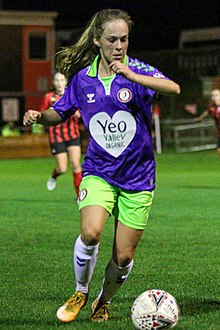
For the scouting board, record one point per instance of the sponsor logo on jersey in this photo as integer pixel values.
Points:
(113, 134)
(90, 98)
(158, 75)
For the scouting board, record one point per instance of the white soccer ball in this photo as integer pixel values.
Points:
(154, 309)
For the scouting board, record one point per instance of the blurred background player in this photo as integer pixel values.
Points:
(214, 112)
(64, 138)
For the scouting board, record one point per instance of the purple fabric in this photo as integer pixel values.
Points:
(120, 149)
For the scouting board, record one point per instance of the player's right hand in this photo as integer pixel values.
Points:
(30, 117)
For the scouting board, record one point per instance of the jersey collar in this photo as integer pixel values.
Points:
(93, 69)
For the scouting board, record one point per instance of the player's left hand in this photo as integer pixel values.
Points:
(120, 68)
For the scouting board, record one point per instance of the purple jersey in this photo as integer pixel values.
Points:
(120, 149)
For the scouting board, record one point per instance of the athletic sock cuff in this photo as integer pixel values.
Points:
(87, 249)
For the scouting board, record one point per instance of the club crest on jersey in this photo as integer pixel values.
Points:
(82, 194)
(90, 98)
(124, 95)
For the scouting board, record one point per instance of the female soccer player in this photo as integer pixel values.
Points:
(214, 112)
(114, 94)
(64, 138)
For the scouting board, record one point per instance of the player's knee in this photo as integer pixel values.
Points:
(123, 257)
(90, 236)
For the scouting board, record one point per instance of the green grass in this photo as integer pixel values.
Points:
(179, 251)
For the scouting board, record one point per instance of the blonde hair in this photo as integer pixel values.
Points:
(72, 59)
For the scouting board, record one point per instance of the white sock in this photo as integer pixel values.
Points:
(84, 258)
(115, 276)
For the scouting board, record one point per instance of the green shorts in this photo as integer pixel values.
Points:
(130, 208)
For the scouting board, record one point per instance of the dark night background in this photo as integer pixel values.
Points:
(157, 22)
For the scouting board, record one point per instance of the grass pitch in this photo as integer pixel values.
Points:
(179, 251)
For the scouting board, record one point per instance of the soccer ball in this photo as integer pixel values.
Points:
(154, 309)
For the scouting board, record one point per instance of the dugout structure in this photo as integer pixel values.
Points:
(27, 42)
